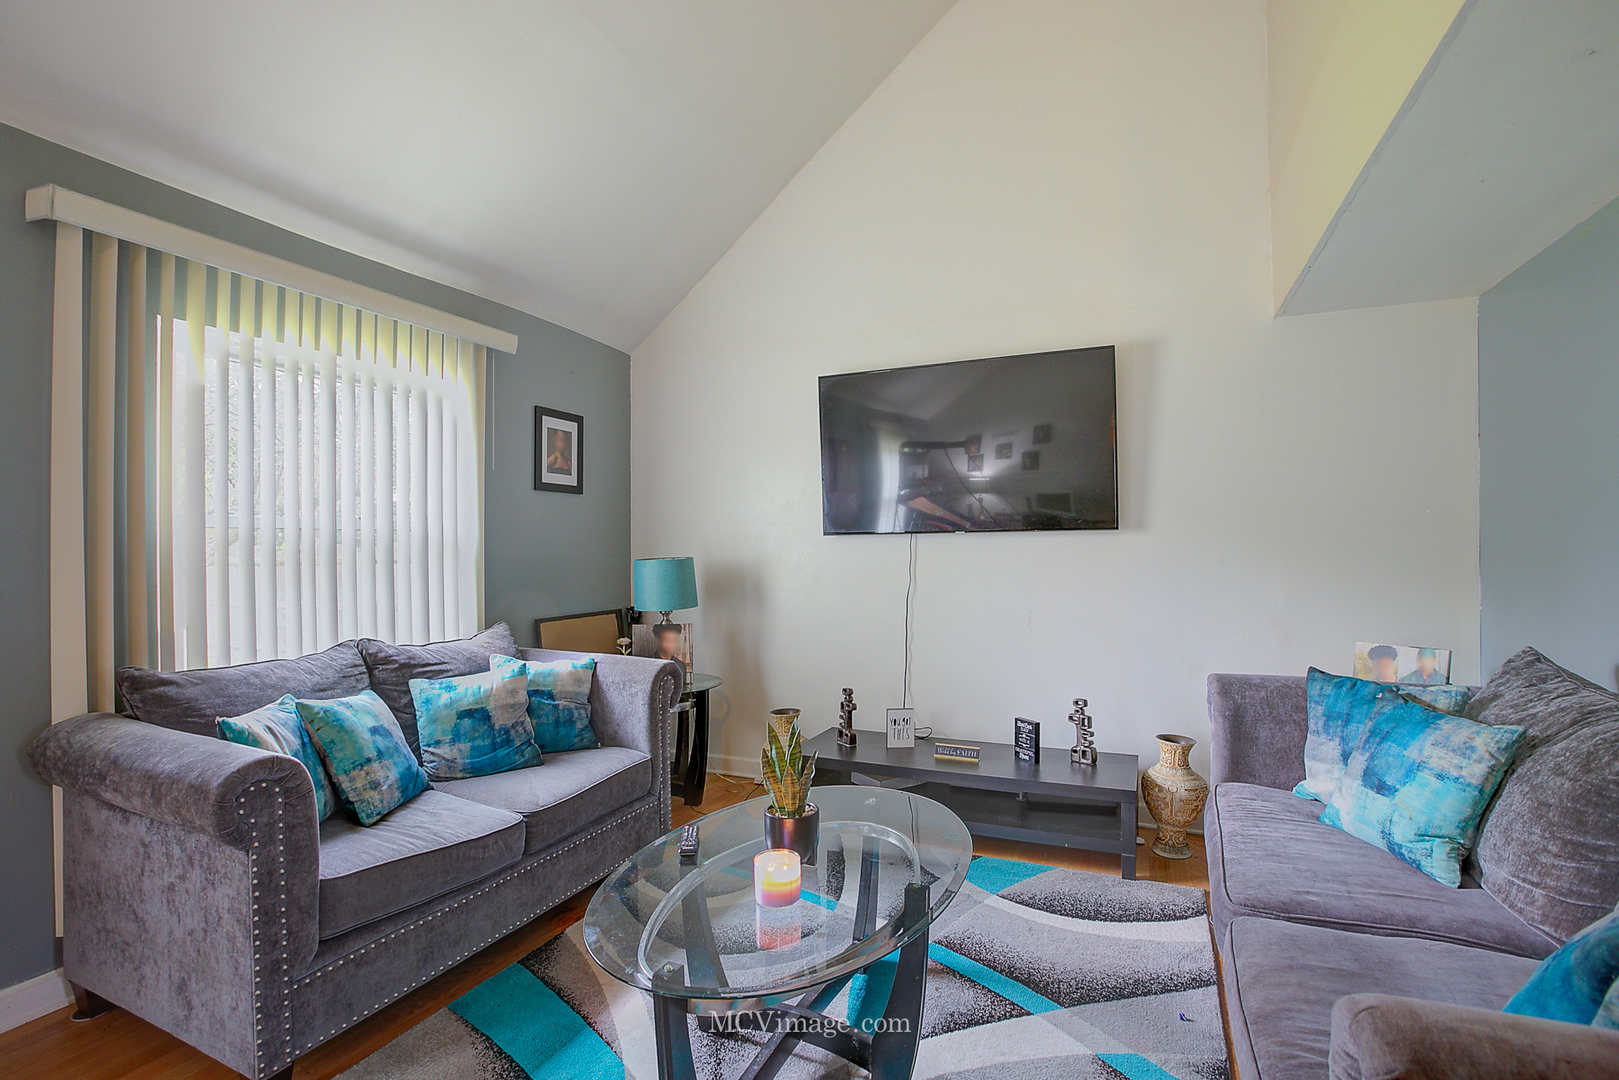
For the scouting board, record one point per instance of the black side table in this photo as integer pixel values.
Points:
(689, 772)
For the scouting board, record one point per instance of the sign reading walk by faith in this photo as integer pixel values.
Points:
(965, 753)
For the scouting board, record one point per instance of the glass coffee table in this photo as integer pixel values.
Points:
(691, 934)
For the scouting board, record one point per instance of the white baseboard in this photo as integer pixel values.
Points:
(32, 999)
(734, 766)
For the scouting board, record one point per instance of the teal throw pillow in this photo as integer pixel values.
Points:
(365, 753)
(1578, 983)
(1608, 1015)
(1417, 784)
(558, 700)
(1339, 709)
(474, 725)
(277, 728)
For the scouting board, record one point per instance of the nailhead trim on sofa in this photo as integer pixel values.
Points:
(280, 1056)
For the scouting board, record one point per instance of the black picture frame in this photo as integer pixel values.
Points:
(546, 475)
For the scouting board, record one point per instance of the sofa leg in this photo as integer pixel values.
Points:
(90, 1004)
(284, 1074)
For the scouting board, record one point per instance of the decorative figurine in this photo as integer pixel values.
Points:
(1084, 750)
(624, 645)
(846, 718)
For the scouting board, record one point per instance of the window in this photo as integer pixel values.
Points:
(249, 458)
(323, 476)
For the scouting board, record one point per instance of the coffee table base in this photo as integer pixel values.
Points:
(887, 1053)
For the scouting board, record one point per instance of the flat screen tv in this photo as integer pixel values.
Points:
(1006, 443)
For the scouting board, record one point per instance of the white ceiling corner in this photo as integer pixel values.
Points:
(584, 160)
(1512, 140)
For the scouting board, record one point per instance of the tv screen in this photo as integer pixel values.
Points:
(1004, 443)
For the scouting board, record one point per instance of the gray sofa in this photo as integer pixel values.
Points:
(1339, 960)
(200, 893)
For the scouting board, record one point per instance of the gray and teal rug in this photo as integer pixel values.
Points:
(1033, 972)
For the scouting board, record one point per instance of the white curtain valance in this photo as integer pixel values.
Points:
(53, 203)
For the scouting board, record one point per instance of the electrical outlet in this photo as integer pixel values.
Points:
(901, 727)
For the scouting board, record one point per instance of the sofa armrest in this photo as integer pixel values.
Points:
(190, 880)
(1378, 1037)
(1257, 726)
(630, 700)
(183, 779)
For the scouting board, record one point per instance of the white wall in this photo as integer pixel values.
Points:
(1041, 174)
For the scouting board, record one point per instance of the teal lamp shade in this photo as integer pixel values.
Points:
(665, 584)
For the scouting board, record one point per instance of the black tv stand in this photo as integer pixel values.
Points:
(1091, 807)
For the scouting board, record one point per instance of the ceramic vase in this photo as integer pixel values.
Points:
(1175, 795)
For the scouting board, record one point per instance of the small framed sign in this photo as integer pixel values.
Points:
(901, 727)
(1026, 740)
(559, 451)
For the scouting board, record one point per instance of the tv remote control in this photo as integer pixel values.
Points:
(688, 842)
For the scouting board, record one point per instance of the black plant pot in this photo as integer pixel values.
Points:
(801, 834)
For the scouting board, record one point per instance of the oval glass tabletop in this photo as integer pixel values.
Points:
(694, 930)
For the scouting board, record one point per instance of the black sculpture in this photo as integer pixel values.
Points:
(846, 718)
(1084, 750)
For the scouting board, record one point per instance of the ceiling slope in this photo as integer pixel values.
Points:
(1510, 139)
(583, 160)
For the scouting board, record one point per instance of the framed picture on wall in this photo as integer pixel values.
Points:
(559, 451)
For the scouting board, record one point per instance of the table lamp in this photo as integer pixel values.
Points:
(665, 585)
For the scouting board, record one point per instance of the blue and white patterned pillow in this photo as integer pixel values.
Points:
(474, 725)
(1340, 707)
(1579, 983)
(277, 728)
(1418, 783)
(558, 700)
(365, 753)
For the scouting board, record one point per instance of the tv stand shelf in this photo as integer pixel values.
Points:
(1092, 807)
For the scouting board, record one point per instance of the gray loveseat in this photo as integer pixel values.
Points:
(1340, 960)
(201, 895)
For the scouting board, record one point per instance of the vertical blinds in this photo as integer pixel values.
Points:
(293, 471)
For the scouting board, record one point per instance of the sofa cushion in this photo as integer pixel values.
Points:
(1281, 980)
(1548, 847)
(430, 846)
(473, 725)
(1269, 856)
(566, 793)
(1417, 784)
(1573, 983)
(1339, 709)
(558, 700)
(278, 728)
(391, 667)
(364, 753)
(193, 700)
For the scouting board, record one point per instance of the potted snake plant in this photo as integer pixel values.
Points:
(791, 820)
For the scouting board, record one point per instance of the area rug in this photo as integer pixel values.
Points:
(1033, 972)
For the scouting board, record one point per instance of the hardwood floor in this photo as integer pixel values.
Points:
(120, 1046)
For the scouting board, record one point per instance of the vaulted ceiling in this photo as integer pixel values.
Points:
(583, 160)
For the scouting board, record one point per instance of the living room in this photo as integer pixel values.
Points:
(1355, 263)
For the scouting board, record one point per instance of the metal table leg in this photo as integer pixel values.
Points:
(1127, 826)
(673, 1037)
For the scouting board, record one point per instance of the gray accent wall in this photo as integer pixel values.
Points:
(545, 553)
(1548, 391)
